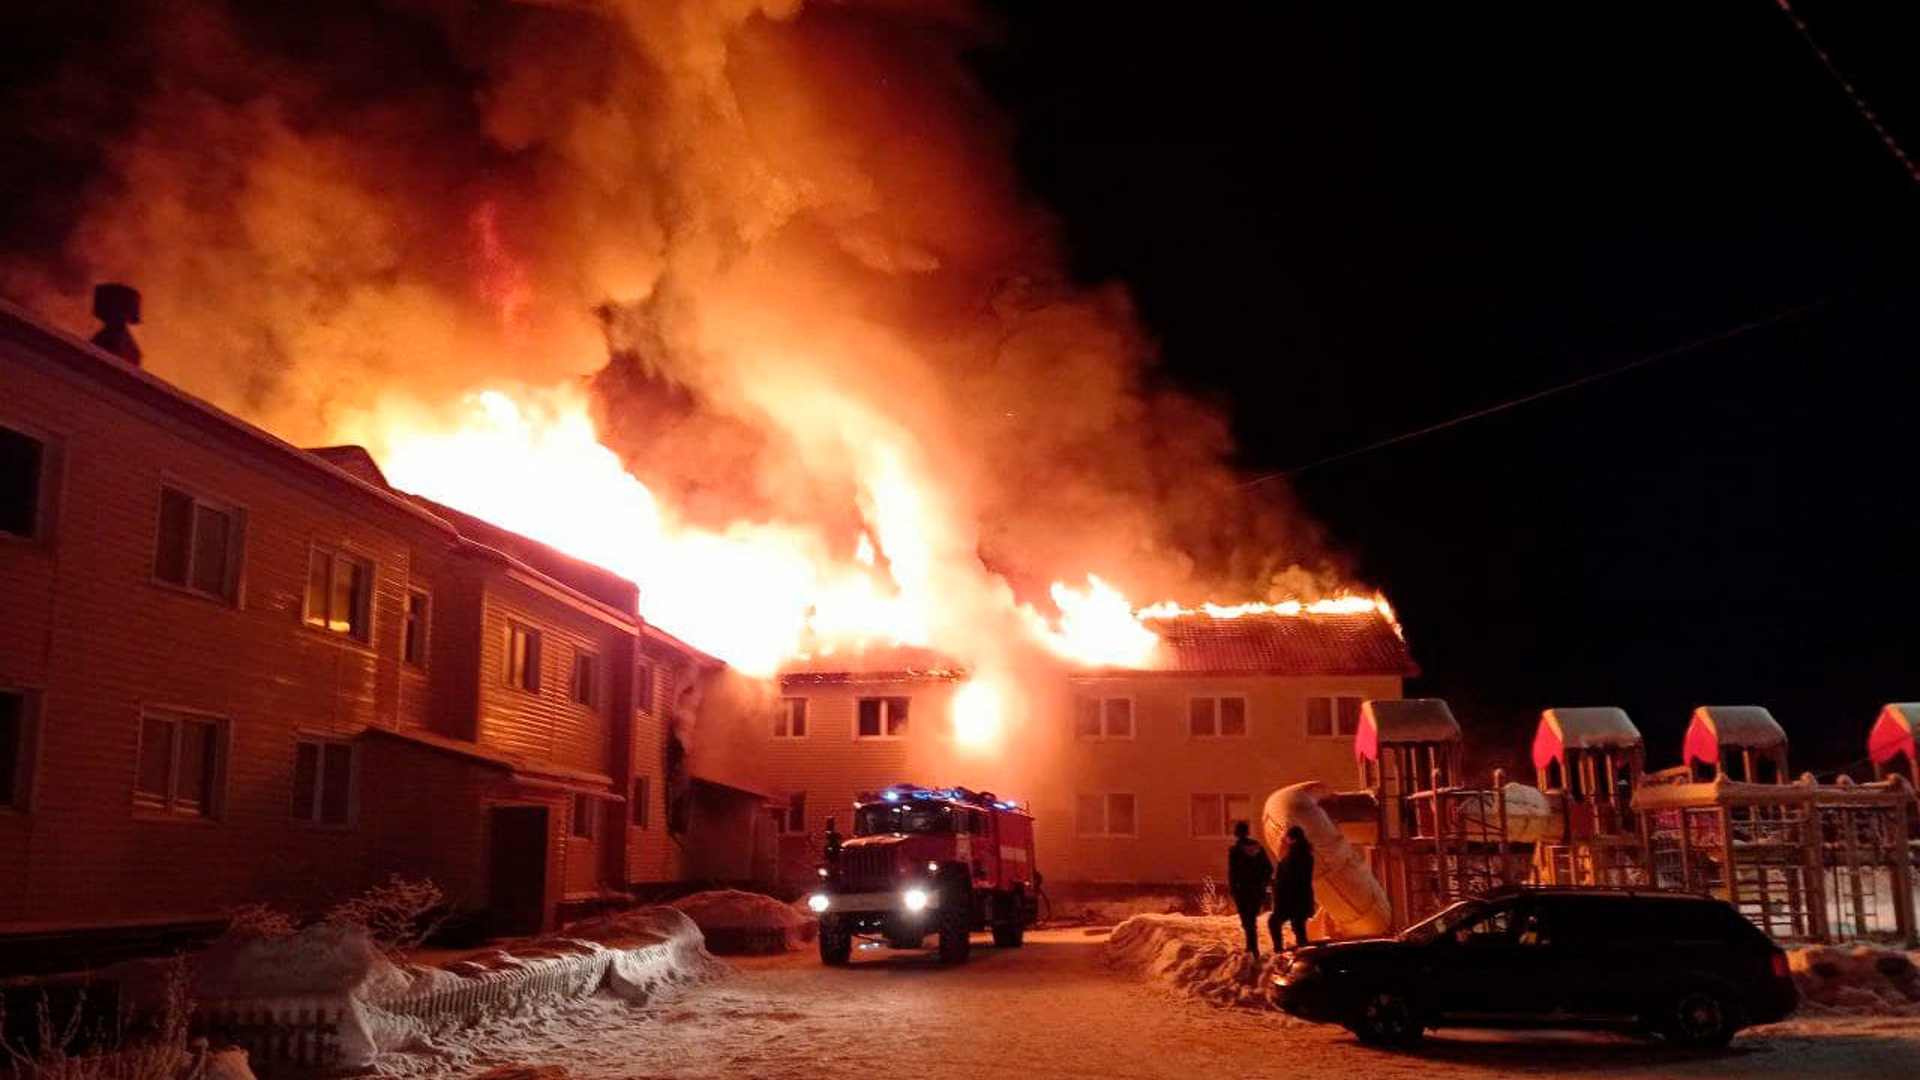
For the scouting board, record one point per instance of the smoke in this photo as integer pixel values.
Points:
(782, 246)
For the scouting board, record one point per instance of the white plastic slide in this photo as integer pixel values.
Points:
(1345, 888)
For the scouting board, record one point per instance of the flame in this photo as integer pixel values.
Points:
(977, 713)
(1097, 627)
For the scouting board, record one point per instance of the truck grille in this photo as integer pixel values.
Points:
(866, 867)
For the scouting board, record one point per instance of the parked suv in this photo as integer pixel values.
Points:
(1685, 966)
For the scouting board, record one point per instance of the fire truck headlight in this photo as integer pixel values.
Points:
(915, 899)
(933, 868)
(817, 903)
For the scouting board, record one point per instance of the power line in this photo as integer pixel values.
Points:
(1780, 316)
(1858, 99)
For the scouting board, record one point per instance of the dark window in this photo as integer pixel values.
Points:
(340, 593)
(1233, 716)
(1108, 814)
(792, 818)
(642, 801)
(1319, 716)
(643, 689)
(790, 719)
(198, 546)
(1210, 717)
(586, 678)
(13, 749)
(583, 815)
(179, 764)
(523, 658)
(323, 781)
(1103, 718)
(419, 611)
(1349, 713)
(1086, 718)
(1118, 713)
(22, 473)
(882, 718)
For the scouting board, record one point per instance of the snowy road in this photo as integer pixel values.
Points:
(1053, 1009)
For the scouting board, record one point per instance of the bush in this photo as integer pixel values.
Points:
(153, 1049)
(260, 921)
(398, 914)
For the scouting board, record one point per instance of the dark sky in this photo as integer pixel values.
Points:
(1346, 221)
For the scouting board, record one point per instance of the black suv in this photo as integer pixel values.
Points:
(1685, 966)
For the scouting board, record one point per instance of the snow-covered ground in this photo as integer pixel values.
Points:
(1057, 1008)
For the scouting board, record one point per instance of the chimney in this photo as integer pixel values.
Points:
(117, 307)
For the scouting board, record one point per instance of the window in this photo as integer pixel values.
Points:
(586, 678)
(16, 749)
(1214, 815)
(584, 811)
(882, 718)
(1103, 718)
(523, 658)
(322, 781)
(642, 801)
(1328, 717)
(180, 761)
(791, 819)
(22, 483)
(340, 593)
(790, 719)
(1106, 814)
(198, 546)
(1217, 717)
(643, 686)
(414, 647)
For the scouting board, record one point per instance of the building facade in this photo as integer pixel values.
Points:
(234, 671)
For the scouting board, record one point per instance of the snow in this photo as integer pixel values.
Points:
(1597, 727)
(1404, 720)
(1741, 725)
(745, 922)
(1057, 1009)
(1201, 956)
(1856, 980)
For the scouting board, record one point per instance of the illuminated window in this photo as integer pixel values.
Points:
(340, 593)
(180, 763)
(198, 546)
(1105, 814)
(522, 668)
(1103, 718)
(790, 718)
(881, 718)
(323, 780)
(1217, 717)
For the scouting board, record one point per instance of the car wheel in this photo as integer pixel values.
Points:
(1387, 1018)
(1703, 1017)
(836, 943)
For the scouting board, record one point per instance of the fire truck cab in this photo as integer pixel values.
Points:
(944, 861)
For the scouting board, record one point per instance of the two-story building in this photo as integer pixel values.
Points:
(1135, 777)
(232, 670)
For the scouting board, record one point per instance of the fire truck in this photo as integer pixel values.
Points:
(921, 861)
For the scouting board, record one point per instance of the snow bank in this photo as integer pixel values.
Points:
(360, 1011)
(1111, 911)
(1201, 956)
(1856, 980)
(745, 922)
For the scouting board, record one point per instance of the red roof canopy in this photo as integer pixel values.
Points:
(1893, 733)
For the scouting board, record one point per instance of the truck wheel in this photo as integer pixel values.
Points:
(836, 943)
(956, 924)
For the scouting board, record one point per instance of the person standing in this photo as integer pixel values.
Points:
(1247, 870)
(1293, 888)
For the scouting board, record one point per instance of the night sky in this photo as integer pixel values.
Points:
(1348, 221)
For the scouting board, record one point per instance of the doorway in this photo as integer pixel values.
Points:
(517, 870)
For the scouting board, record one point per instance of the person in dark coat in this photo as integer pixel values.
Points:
(1247, 870)
(1293, 888)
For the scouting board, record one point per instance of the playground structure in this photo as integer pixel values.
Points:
(1802, 860)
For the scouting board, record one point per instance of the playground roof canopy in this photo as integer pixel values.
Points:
(1893, 733)
(1590, 728)
(1391, 721)
(1715, 726)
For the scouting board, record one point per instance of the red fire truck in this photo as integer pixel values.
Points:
(922, 861)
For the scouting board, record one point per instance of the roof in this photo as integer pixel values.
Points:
(580, 779)
(1590, 728)
(1714, 726)
(583, 577)
(1392, 721)
(1893, 732)
(884, 663)
(1273, 644)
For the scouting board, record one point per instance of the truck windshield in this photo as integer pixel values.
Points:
(879, 820)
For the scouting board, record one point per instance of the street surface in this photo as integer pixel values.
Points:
(1053, 1009)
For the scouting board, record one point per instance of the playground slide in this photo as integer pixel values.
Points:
(1346, 889)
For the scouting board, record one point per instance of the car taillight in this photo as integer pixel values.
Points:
(1780, 969)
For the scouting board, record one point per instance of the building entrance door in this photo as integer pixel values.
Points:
(517, 870)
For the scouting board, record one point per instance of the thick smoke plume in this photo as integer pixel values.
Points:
(782, 247)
